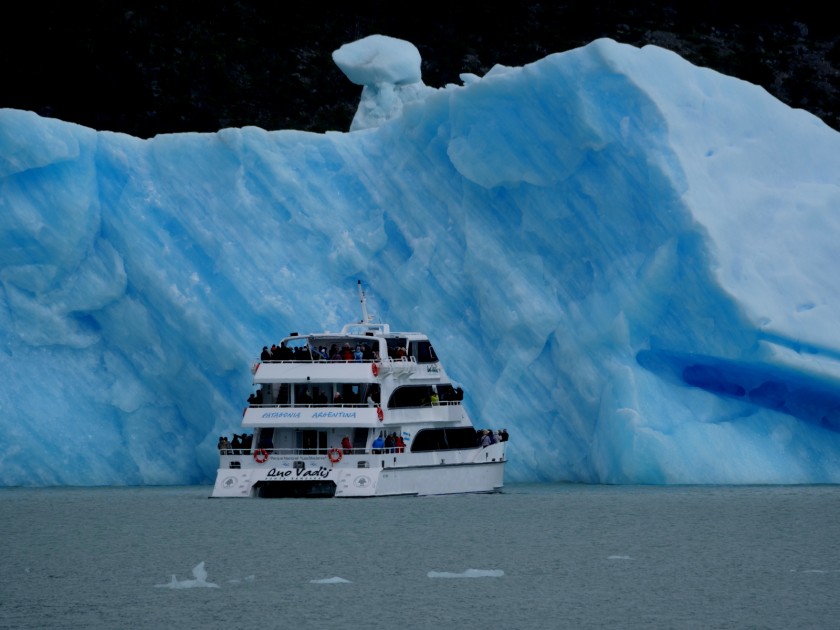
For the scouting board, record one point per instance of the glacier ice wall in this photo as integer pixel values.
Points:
(628, 261)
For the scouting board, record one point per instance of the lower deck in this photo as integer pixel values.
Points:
(334, 473)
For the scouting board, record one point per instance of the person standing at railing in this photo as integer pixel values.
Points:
(378, 445)
(346, 445)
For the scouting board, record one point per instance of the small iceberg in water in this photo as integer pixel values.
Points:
(469, 573)
(249, 578)
(199, 580)
(332, 580)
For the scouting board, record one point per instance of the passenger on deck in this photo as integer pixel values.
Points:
(358, 354)
(378, 445)
(391, 442)
(265, 355)
(246, 441)
(400, 444)
(367, 353)
(236, 444)
(337, 399)
(485, 438)
(335, 353)
(346, 353)
(346, 445)
(503, 435)
(434, 398)
(373, 395)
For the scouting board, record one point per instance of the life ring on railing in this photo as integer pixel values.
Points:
(261, 455)
(374, 368)
(335, 455)
(380, 414)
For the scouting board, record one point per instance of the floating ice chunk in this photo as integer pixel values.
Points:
(469, 573)
(332, 580)
(199, 581)
(249, 578)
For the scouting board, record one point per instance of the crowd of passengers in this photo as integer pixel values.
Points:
(393, 443)
(486, 437)
(306, 397)
(239, 444)
(362, 352)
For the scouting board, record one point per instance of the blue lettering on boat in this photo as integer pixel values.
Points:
(334, 414)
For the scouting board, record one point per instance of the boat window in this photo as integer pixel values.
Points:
(372, 396)
(311, 441)
(397, 347)
(444, 439)
(283, 392)
(411, 396)
(448, 393)
(360, 437)
(324, 394)
(423, 351)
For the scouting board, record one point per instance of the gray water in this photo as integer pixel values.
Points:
(534, 556)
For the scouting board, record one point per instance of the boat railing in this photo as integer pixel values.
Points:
(326, 452)
(442, 403)
(314, 360)
(306, 405)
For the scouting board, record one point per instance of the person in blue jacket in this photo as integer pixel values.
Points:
(378, 445)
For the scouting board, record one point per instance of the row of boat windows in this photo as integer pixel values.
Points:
(316, 442)
(315, 348)
(354, 394)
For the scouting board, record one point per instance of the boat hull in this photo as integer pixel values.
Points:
(366, 476)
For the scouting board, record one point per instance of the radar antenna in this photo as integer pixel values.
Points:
(366, 319)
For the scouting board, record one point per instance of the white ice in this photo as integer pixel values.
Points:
(469, 573)
(199, 580)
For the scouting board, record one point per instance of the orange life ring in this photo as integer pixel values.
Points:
(380, 414)
(335, 455)
(260, 455)
(374, 368)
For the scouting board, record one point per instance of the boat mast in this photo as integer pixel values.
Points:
(365, 317)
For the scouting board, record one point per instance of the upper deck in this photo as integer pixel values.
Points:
(359, 353)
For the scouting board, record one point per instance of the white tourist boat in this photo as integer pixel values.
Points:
(322, 403)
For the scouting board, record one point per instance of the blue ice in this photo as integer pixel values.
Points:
(628, 261)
